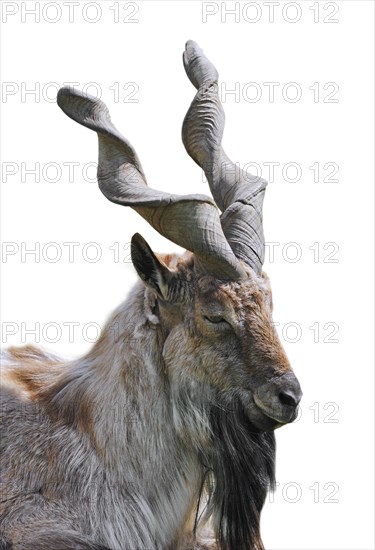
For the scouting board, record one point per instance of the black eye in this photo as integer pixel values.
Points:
(215, 319)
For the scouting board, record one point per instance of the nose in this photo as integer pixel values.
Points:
(280, 397)
(290, 396)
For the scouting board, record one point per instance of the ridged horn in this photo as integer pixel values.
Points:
(238, 194)
(191, 221)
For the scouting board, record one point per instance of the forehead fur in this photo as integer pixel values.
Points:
(239, 294)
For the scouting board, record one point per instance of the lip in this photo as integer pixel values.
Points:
(270, 413)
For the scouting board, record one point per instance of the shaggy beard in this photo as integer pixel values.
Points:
(240, 470)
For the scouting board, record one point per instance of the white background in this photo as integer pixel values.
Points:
(332, 441)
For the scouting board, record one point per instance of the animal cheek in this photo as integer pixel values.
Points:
(175, 344)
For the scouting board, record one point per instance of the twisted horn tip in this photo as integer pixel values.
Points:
(198, 68)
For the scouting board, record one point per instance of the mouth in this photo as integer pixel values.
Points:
(266, 417)
(263, 411)
(281, 414)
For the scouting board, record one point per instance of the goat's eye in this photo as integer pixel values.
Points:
(215, 319)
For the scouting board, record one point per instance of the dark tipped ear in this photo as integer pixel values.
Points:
(152, 272)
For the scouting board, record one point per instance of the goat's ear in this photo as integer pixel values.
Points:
(151, 270)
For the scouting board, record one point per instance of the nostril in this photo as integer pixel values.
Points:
(287, 397)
